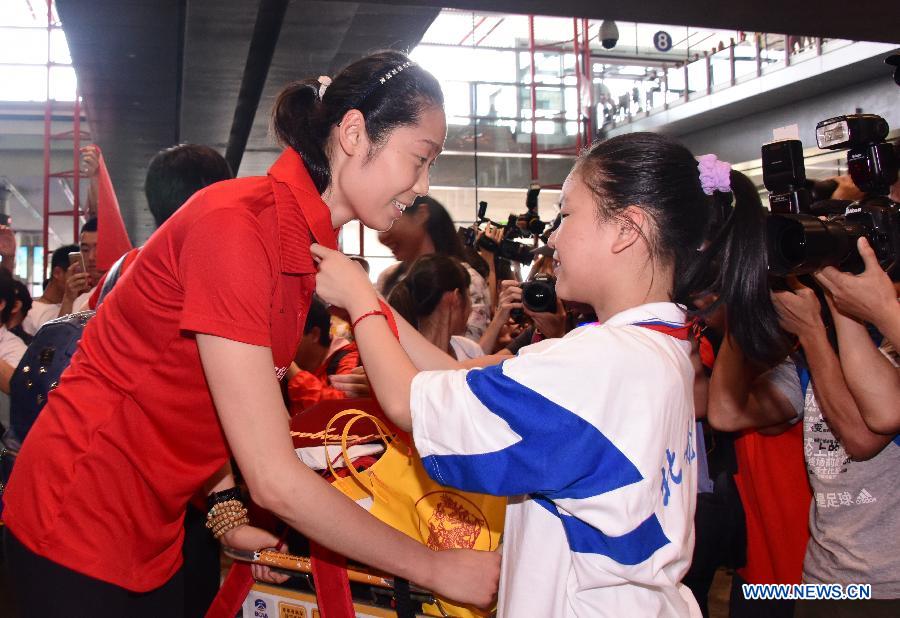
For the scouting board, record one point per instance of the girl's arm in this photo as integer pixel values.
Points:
(248, 400)
(740, 394)
(390, 367)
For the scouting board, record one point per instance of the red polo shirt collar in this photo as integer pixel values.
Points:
(302, 215)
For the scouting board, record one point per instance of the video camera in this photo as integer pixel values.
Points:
(798, 240)
(523, 226)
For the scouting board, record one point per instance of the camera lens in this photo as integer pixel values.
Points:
(801, 244)
(539, 295)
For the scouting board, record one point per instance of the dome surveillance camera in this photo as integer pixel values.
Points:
(894, 60)
(609, 34)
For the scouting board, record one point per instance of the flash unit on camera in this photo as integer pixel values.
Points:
(851, 131)
(832, 133)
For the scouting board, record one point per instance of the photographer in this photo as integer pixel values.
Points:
(869, 297)
(850, 472)
(546, 324)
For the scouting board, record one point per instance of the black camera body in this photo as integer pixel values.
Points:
(539, 294)
(803, 243)
(803, 237)
(527, 225)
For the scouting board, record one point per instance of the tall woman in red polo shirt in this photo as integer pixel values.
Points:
(180, 369)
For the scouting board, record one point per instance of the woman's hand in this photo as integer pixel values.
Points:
(343, 282)
(90, 160)
(799, 311)
(465, 576)
(353, 384)
(869, 296)
(249, 538)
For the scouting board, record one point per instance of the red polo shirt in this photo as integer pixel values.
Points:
(102, 481)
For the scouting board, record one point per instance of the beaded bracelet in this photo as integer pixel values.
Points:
(231, 525)
(226, 511)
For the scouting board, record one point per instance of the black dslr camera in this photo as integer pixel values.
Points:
(539, 294)
(526, 226)
(804, 236)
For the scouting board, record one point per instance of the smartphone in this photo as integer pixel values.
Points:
(75, 257)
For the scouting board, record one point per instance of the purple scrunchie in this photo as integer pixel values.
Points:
(715, 175)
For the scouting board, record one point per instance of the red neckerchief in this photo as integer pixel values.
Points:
(691, 330)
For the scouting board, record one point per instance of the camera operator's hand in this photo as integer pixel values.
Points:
(508, 333)
(494, 233)
(510, 297)
(551, 325)
(799, 311)
(869, 296)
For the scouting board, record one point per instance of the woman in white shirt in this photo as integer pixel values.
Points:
(433, 297)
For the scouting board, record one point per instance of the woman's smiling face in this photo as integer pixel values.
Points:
(381, 185)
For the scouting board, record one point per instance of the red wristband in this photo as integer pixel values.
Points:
(366, 315)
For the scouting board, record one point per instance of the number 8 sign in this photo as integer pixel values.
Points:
(662, 41)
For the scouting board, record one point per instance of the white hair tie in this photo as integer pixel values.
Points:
(324, 82)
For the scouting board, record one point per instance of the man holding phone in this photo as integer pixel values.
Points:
(83, 275)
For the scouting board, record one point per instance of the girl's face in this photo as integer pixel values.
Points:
(380, 187)
(582, 255)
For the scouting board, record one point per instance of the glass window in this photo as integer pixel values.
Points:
(495, 100)
(25, 13)
(23, 83)
(59, 47)
(465, 63)
(63, 84)
(23, 45)
(457, 98)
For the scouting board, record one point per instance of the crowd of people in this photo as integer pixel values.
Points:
(672, 413)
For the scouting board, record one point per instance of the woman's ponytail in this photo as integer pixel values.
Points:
(401, 299)
(297, 122)
(418, 293)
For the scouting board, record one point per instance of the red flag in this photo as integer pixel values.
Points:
(112, 239)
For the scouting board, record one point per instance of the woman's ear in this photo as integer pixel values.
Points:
(351, 133)
(449, 300)
(632, 224)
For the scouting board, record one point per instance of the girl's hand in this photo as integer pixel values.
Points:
(250, 538)
(343, 282)
(799, 311)
(869, 296)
